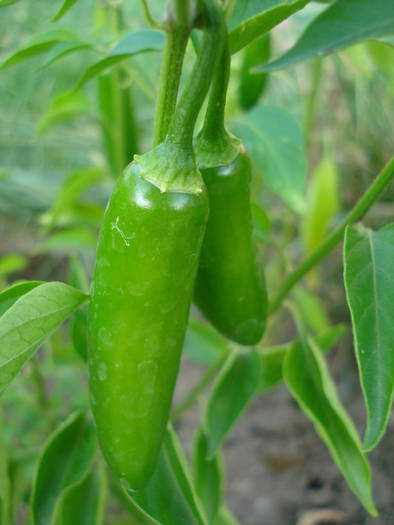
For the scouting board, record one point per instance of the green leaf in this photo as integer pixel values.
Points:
(63, 49)
(272, 357)
(262, 225)
(69, 240)
(369, 283)
(5, 485)
(64, 108)
(203, 344)
(322, 203)
(169, 496)
(76, 184)
(10, 295)
(29, 321)
(343, 23)
(311, 309)
(38, 45)
(233, 390)
(207, 476)
(5, 3)
(307, 377)
(67, 5)
(132, 44)
(65, 460)
(83, 502)
(225, 517)
(261, 23)
(12, 263)
(274, 142)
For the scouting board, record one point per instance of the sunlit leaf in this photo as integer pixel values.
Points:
(369, 282)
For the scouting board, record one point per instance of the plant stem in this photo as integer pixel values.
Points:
(201, 385)
(358, 211)
(175, 48)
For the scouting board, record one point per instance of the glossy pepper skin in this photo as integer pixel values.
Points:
(230, 289)
(143, 281)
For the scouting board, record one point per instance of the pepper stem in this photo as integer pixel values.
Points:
(174, 53)
(214, 145)
(213, 127)
(183, 122)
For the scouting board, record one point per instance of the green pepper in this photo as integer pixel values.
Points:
(253, 85)
(146, 263)
(230, 287)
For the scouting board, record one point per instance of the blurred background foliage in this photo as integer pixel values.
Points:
(55, 176)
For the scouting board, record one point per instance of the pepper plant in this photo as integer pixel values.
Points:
(192, 256)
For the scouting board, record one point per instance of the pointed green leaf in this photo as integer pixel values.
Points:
(343, 23)
(74, 187)
(251, 28)
(369, 283)
(233, 390)
(5, 3)
(322, 203)
(132, 44)
(38, 45)
(65, 460)
(12, 263)
(307, 377)
(63, 49)
(67, 5)
(203, 344)
(29, 321)
(83, 502)
(63, 108)
(169, 496)
(207, 476)
(273, 139)
(10, 295)
(272, 357)
(225, 517)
